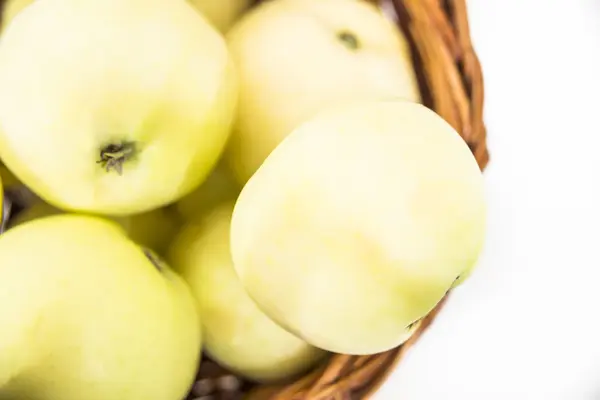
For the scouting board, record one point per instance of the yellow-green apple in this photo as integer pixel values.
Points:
(221, 13)
(235, 332)
(152, 229)
(217, 188)
(113, 107)
(359, 223)
(296, 57)
(88, 314)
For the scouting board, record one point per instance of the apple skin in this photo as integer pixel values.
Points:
(146, 82)
(292, 63)
(236, 333)
(379, 207)
(153, 229)
(86, 315)
(221, 13)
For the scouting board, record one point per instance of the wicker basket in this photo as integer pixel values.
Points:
(451, 83)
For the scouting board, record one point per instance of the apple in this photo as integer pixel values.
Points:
(153, 229)
(359, 223)
(236, 334)
(88, 314)
(221, 13)
(219, 187)
(113, 107)
(296, 57)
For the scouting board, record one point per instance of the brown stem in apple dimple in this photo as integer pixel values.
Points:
(153, 259)
(113, 156)
(349, 39)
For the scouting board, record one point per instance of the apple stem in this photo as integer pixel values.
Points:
(114, 156)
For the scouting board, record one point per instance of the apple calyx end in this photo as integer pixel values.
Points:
(348, 39)
(113, 156)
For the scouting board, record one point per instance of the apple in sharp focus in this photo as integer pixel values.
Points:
(296, 57)
(88, 314)
(113, 107)
(236, 333)
(358, 224)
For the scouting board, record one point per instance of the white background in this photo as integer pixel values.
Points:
(527, 324)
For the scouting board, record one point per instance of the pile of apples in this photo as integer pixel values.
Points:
(260, 185)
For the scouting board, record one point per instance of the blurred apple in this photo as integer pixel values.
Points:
(236, 333)
(359, 223)
(221, 13)
(296, 57)
(143, 122)
(87, 314)
(153, 229)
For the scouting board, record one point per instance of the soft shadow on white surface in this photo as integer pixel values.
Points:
(526, 326)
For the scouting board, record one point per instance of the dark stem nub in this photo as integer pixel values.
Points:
(153, 259)
(349, 40)
(114, 156)
(412, 325)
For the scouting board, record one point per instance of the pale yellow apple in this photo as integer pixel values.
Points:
(296, 57)
(221, 13)
(358, 224)
(153, 229)
(113, 107)
(88, 314)
(220, 186)
(236, 333)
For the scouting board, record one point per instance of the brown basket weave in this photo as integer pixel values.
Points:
(451, 83)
